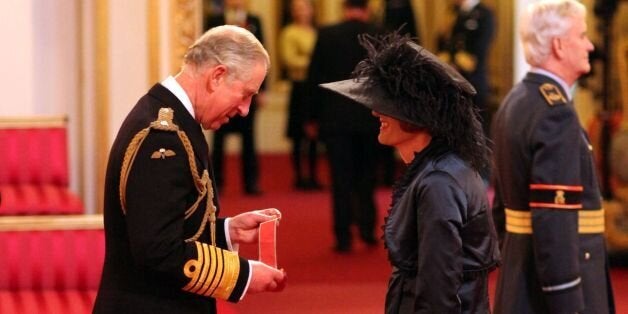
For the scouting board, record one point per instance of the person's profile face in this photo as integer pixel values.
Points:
(229, 97)
(577, 47)
(391, 132)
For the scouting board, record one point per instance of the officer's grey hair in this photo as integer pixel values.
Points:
(229, 45)
(542, 22)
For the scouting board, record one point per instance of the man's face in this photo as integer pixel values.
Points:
(302, 11)
(391, 133)
(235, 4)
(577, 47)
(228, 96)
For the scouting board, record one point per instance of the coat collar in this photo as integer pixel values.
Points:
(539, 78)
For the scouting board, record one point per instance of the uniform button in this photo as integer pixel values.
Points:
(587, 256)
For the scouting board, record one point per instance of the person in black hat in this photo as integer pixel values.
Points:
(439, 232)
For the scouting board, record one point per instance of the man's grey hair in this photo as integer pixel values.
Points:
(542, 22)
(229, 45)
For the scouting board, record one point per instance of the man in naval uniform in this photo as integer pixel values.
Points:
(547, 196)
(166, 250)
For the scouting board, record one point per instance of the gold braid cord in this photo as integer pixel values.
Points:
(203, 184)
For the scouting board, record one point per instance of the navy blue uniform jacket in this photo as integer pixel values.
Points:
(149, 266)
(547, 205)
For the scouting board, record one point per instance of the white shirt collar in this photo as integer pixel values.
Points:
(173, 86)
(468, 5)
(555, 77)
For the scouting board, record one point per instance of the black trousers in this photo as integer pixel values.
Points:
(304, 150)
(244, 127)
(352, 160)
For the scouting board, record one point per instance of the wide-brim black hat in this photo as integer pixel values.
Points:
(401, 79)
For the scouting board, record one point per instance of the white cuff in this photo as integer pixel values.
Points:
(231, 247)
(248, 281)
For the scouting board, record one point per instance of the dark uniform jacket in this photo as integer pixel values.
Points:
(549, 203)
(440, 237)
(472, 33)
(336, 53)
(159, 257)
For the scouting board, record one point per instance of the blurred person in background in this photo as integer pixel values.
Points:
(465, 46)
(296, 43)
(349, 132)
(235, 13)
(547, 200)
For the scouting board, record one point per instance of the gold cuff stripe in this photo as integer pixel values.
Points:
(192, 267)
(214, 273)
(207, 263)
(554, 205)
(230, 275)
(589, 221)
(575, 188)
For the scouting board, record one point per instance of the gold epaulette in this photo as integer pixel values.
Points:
(552, 94)
(214, 273)
(202, 183)
(164, 121)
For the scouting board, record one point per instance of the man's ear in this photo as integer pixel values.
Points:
(217, 74)
(558, 47)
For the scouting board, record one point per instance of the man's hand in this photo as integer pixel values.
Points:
(243, 227)
(265, 278)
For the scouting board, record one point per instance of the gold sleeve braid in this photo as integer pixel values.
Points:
(214, 273)
(203, 184)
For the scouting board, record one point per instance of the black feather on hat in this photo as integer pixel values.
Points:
(405, 81)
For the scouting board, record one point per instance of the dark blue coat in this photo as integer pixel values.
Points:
(149, 266)
(440, 237)
(548, 204)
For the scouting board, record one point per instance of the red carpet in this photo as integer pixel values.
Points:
(320, 281)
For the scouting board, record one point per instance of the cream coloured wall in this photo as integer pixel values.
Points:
(128, 51)
(17, 81)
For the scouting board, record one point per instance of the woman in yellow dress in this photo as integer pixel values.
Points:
(296, 43)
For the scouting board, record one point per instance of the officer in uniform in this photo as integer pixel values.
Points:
(466, 46)
(166, 250)
(548, 202)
